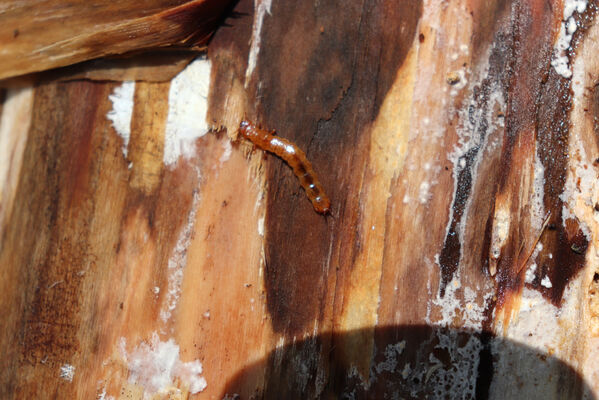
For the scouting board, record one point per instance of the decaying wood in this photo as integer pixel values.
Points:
(459, 259)
(37, 36)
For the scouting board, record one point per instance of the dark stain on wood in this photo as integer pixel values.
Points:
(533, 42)
(539, 102)
(488, 18)
(332, 73)
(558, 260)
(2, 99)
(50, 329)
(319, 101)
(449, 258)
(545, 96)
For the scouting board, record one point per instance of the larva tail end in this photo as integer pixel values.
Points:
(322, 205)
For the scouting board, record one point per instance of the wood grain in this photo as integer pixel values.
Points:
(37, 36)
(445, 139)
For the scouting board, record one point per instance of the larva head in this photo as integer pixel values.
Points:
(321, 204)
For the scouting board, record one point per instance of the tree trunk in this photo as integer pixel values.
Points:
(141, 239)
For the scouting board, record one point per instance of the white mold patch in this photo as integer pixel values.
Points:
(67, 372)
(261, 226)
(188, 105)
(501, 229)
(546, 282)
(560, 61)
(459, 375)
(261, 7)
(581, 188)
(392, 351)
(424, 192)
(156, 366)
(101, 391)
(227, 149)
(529, 276)
(476, 131)
(177, 263)
(460, 304)
(122, 112)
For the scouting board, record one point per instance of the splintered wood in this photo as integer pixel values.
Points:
(146, 253)
(36, 36)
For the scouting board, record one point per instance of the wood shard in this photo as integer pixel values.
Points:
(67, 33)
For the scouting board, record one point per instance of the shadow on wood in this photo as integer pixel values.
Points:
(463, 364)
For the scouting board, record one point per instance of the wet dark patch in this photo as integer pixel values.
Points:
(561, 259)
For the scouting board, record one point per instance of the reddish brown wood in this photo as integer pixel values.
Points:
(444, 137)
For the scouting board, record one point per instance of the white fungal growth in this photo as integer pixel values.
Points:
(459, 303)
(156, 366)
(177, 263)
(424, 193)
(187, 108)
(581, 184)
(530, 273)
(262, 8)
(501, 229)
(546, 282)
(560, 61)
(186, 119)
(122, 112)
(67, 372)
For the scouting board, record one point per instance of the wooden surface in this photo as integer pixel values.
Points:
(450, 147)
(39, 35)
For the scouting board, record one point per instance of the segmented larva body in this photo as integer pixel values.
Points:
(293, 156)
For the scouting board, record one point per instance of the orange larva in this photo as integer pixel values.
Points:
(293, 156)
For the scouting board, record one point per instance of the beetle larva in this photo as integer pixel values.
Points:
(293, 156)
